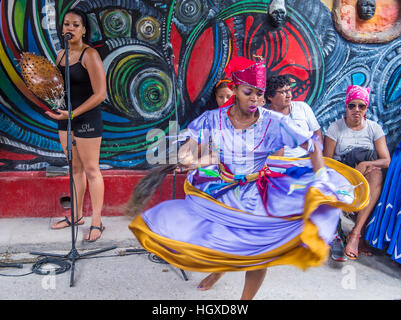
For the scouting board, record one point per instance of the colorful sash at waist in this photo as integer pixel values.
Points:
(227, 176)
(225, 180)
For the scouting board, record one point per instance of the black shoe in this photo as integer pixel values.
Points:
(337, 249)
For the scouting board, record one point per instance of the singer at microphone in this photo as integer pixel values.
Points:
(87, 81)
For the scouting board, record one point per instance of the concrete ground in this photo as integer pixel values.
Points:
(118, 275)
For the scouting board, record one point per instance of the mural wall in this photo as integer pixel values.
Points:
(163, 57)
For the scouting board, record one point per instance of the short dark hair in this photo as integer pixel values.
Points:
(276, 82)
(85, 23)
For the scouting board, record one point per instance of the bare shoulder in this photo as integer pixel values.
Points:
(91, 57)
(92, 53)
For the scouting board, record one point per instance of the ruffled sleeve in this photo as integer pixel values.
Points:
(293, 135)
(200, 129)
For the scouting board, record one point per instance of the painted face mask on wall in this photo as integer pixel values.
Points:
(366, 9)
(277, 13)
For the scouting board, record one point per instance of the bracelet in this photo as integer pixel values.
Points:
(72, 115)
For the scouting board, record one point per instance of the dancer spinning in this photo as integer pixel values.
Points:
(248, 212)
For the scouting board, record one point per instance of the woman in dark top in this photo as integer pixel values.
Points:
(88, 90)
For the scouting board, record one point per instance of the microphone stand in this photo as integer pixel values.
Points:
(73, 255)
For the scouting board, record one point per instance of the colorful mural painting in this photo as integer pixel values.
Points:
(163, 57)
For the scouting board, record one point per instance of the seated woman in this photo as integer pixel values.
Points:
(360, 143)
(279, 98)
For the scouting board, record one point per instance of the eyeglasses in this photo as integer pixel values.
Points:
(284, 92)
(360, 106)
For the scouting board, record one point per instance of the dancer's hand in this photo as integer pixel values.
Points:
(186, 153)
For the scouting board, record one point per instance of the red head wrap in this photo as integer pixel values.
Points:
(247, 72)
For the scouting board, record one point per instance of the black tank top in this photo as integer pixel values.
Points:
(80, 84)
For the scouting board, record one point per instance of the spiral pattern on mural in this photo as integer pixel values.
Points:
(137, 86)
(148, 29)
(116, 23)
(133, 39)
(189, 12)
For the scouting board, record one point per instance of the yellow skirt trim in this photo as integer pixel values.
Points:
(196, 258)
(305, 250)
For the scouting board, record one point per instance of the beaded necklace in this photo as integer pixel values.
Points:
(230, 124)
(232, 127)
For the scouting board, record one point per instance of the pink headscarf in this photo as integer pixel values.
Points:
(357, 93)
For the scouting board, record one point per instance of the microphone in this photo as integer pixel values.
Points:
(68, 36)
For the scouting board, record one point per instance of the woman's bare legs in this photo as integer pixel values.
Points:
(79, 177)
(375, 180)
(253, 281)
(89, 152)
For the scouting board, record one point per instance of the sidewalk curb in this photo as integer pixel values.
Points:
(22, 235)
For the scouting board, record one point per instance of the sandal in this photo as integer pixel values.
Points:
(68, 222)
(101, 229)
(352, 254)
